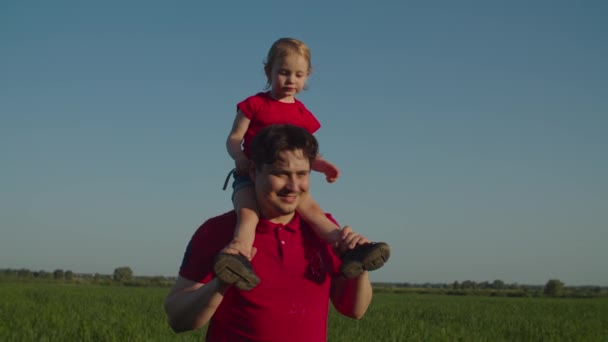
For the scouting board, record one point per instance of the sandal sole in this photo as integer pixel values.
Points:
(229, 269)
(373, 261)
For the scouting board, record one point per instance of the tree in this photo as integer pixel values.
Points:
(69, 275)
(122, 274)
(58, 274)
(554, 288)
(7, 272)
(468, 284)
(157, 281)
(498, 284)
(42, 274)
(24, 273)
(484, 285)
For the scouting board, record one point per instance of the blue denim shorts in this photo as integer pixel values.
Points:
(238, 183)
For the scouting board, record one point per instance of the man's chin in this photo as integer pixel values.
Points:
(287, 209)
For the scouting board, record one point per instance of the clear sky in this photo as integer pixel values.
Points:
(472, 136)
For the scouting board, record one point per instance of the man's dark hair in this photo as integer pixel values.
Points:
(272, 140)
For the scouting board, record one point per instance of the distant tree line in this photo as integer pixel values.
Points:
(552, 288)
(123, 276)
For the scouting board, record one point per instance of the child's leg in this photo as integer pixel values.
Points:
(232, 265)
(247, 219)
(366, 257)
(312, 213)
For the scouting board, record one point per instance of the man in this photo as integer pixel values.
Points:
(299, 272)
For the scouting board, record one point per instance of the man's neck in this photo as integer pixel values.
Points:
(282, 219)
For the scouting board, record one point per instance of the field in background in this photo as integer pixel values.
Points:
(68, 312)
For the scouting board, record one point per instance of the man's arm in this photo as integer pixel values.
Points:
(351, 297)
(190, 305)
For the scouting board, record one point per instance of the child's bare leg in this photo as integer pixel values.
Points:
(232, 265)
(312, 213)
(247, 219)
(355, 261)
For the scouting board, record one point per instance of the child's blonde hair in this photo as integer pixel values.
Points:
(282, 48)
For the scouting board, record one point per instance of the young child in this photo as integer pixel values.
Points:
(287, 68)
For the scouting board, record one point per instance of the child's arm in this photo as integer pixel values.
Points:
(235, 138)
(330, 170)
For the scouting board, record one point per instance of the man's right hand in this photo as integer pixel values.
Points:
(349, 239)
(236, 247)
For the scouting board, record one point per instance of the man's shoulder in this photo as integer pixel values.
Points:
(303, 223)
(222, 217)
(325, 249)
(221, 222)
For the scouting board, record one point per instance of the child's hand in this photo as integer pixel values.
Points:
(331, 173)
(330, 170)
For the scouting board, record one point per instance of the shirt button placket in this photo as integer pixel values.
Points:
(281, 240)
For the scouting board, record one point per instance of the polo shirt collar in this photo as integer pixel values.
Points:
(265, 226)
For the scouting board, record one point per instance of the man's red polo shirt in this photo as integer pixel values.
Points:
(291, 302)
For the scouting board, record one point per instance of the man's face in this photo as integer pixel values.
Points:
(280, 186)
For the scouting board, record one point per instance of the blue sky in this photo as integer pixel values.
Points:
(471, 135)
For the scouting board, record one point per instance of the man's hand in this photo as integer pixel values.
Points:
(350, 239)
(236, 247)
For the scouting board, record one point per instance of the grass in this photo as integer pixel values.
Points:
(68, 312)
(401, 317)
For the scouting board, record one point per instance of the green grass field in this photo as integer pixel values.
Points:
(67, 312)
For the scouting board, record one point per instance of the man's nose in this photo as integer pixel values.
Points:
(291, 183)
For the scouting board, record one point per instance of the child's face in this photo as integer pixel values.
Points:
(288, 76)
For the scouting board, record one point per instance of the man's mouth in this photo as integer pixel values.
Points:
(288, 197)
